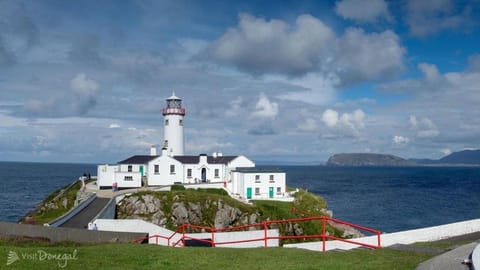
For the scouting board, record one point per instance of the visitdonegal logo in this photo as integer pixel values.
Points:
(41, 255)
(12, 257)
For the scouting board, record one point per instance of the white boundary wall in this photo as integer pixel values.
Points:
(405, 237)
(137, 225)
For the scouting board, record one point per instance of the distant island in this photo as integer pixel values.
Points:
(367, 159)
(465, 157)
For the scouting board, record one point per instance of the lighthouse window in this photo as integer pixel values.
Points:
(166, 122)
(216, 173)
(180, 122)
(172, 169)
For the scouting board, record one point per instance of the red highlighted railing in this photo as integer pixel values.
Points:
(186, 232)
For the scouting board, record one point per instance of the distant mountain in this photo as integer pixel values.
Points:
(462, 157)
(367, 159)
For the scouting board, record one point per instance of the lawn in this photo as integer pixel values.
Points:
(136, 256)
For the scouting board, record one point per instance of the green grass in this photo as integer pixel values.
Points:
(135, 256)
(40, 216)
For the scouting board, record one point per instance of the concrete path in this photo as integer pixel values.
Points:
(82, 219)
(451, 260)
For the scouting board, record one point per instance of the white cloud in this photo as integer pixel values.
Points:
(308, 125)
(363, 56)
(400, 140)
(429, 71)
(330, 117)
(114, 125)
(263, 47)
(265, 108)
(429, 17)
(424, 127)
(84, 86)
(346, 123)
(363, 11)
(259, 46)
(446, 151)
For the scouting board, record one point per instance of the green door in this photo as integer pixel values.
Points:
(249, 193)
(270, 192)
(141, 170)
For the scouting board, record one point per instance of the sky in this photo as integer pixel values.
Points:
(290, 81)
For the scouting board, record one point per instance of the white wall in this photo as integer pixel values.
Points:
(406, 237)
(173, 132)
(210, 173)
(164, 177)
(136, 225)
(264, 184)
(106, 175)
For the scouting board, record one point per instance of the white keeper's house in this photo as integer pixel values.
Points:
(237, 174)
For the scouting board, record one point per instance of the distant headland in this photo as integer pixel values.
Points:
(460, 158)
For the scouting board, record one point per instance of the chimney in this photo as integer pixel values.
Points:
(153, 150)
(203, 159)
(164, 152)
(214, 155)
(220, 154)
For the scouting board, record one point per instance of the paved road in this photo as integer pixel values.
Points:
(81, 219)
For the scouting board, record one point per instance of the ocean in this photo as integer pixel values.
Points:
(385, 198)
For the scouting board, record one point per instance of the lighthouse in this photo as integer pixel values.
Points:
(173, 126)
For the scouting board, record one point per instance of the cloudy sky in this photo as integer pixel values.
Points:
(295, 81)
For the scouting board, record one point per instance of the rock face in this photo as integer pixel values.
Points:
(173, 212)
(367, 159)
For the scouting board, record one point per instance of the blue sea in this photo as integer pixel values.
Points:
(384, 198)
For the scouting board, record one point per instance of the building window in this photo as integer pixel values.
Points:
(217, 173)
(189, 173)
(166, 122)
(257, 191)
(128, 178)
(180, 122)
(279, 190)
(257, 178)
(129, 168)
(272, 180)
(172, 169)
(156, 169)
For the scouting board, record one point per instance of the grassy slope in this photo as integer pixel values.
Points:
(135, 256)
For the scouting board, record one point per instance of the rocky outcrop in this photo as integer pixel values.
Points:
(174, 211)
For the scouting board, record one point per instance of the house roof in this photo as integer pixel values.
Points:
(210, 159)
(258, 170)
(138, 159)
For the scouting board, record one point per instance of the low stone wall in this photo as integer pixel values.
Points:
(55, 234)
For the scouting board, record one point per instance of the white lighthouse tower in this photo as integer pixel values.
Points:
(173, 126)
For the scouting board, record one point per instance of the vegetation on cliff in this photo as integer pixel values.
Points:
(214, 208)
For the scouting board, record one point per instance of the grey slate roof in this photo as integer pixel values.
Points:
(138, 159)
(258, 170)
(144, 159)
(210, 159)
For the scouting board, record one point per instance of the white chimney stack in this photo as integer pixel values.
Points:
(153, 150)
